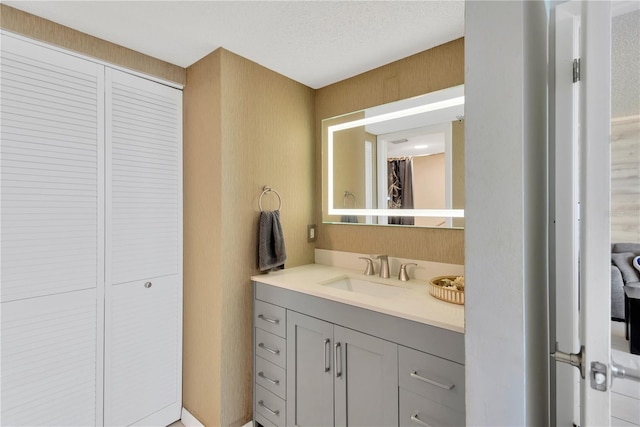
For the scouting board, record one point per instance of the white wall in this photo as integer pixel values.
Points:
(506, 213)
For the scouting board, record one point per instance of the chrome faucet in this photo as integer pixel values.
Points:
(384, 265)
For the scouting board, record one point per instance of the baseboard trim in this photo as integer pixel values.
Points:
(189, 420)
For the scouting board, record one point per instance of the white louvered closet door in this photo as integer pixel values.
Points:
(143, 359)
(52, 236)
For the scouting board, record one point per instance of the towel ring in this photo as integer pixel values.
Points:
(269, 190)
(348, 194)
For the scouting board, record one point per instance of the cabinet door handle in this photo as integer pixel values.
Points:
(327, 348)
(415, 375)
(266, 319)
(148, 285)
(272, 381)
(338, 361)
(418, 421)
(276, 412)
(270, 350)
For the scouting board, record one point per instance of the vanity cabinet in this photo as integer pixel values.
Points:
(345, 365)
(339, 376)
(310, 369)
(431, 390)
(366, 379)
(269, 367)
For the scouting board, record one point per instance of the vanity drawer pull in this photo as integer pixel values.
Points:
(272, 381)
(415, 375)
(270, 318)
(327, 348)
(266, 319)
(276, 412)
(338, 347)
(418, 421)
(270, 350)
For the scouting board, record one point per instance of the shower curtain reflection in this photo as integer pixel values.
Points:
(400, 189)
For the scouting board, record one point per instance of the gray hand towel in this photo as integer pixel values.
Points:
(349, 218)
(271, 252)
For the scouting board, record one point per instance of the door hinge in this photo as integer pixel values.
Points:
(597, 374)
(573, 359)
(576, 70)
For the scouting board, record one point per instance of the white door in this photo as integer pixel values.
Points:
(582, 215)
(595, 249)
(51, 236)
(143, 256)
(565, 214)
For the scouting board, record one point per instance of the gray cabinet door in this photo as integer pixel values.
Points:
(366, 380)
(309, 371)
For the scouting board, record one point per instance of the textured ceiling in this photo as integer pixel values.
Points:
(313, 42)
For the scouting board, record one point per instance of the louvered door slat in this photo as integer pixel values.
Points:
(143, 178)
(51, 236)
(30, 169)
(48, 368)
(144, 245)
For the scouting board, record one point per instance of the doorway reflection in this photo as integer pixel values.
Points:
(625, 193)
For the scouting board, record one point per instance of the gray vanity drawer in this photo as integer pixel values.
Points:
(257, 418)
(271, 377)
(270, 317)
(271, 347)
(417, 411)
(437, 379)
(270, 406)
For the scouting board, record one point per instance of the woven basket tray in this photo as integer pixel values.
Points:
(445, 294)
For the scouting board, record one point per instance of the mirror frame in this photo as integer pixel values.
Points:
(432, 102)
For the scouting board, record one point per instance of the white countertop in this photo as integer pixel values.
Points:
(415, 304)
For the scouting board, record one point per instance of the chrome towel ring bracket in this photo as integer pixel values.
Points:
(267, 190)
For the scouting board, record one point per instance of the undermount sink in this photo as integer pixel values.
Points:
(365, 287)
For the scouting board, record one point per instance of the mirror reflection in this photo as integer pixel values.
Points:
(398, 164)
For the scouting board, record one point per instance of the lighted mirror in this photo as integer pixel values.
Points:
(397, 164)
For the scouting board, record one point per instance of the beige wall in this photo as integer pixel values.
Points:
(625, 179)
(343, 152)
(202, 330)
(434, 69)
(457, 176)
(247, 127)
(37, 28)
(429, 176)
(348, 157)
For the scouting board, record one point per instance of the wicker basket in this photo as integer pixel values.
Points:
(445, 294)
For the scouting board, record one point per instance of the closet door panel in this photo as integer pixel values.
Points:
(52, 171)
(143, 358)
(144, 345)
(144, 157)
(50, 364)
(51, 236)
